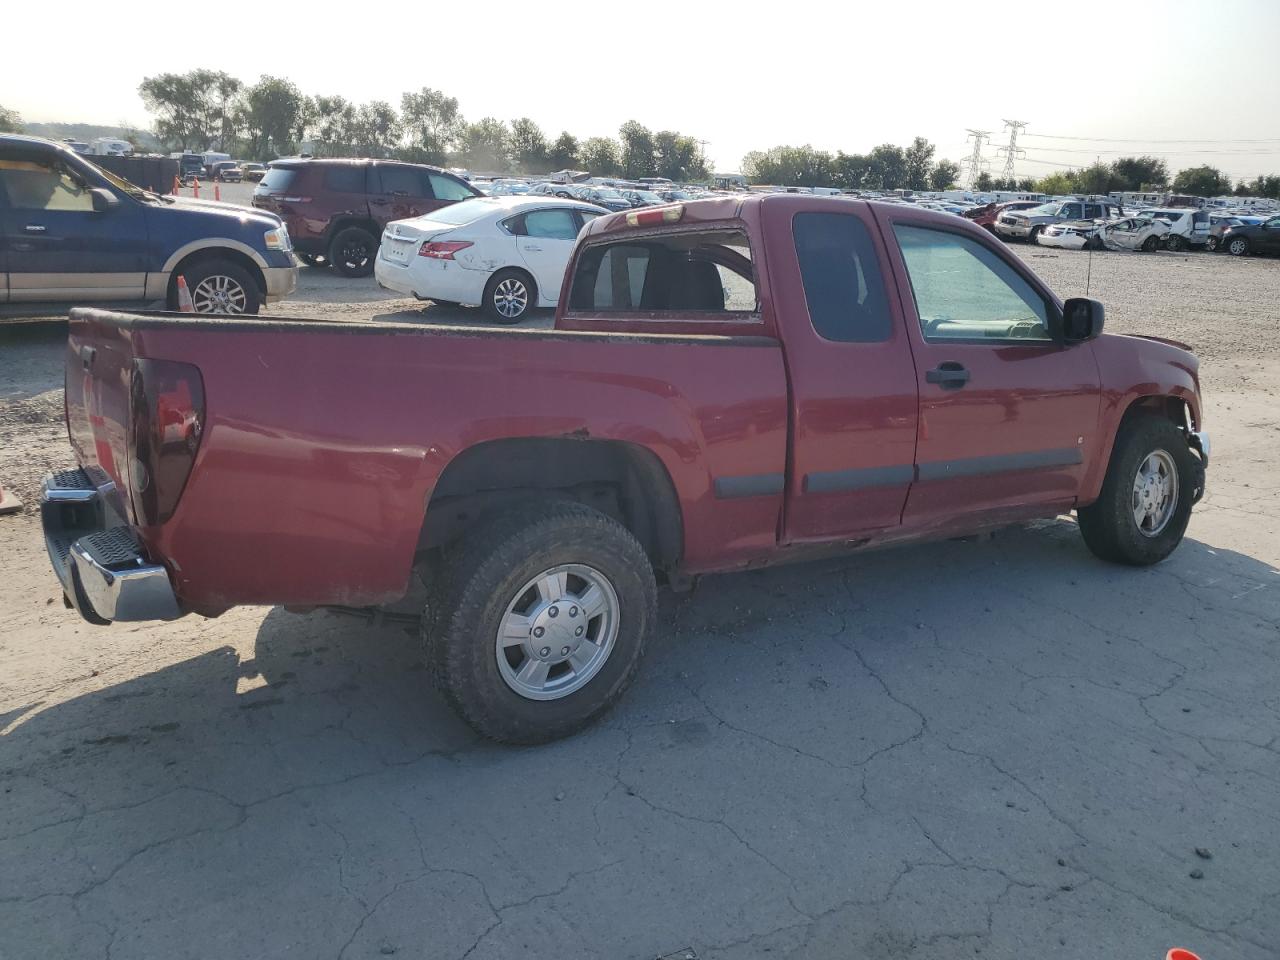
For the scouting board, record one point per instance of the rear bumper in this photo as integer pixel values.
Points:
(104, 572)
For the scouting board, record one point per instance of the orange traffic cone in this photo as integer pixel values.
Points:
(177, 185)
(184, 296)
(1177, 953)
(217, 193)
(195, 188)
(8, 502)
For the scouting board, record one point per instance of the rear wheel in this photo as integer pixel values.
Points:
(509, 296)
(219, 286)
(1145, 503)
(1151, 244)
(1175, 243)
(1211, 245)
(544, 615)
(1237, 246)
(352, 252)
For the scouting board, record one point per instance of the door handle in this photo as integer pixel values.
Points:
(949, 375)
(34, 228)
(532, 249)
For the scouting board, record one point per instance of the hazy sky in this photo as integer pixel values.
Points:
(737, 75)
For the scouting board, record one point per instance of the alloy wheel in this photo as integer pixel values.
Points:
(219, 294)
(511, 298)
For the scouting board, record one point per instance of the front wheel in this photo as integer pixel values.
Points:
(545, 611)
(1237, 246)
(219, 286)
(509, 296)
(1175, 243)
(1145, 503)
(1033, 237)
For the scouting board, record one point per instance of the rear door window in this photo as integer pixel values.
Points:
(344, 178)
(678, 273)
(402, 181)
(551, 224)
(843, 285)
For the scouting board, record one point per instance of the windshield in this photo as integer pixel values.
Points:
(1045, 210)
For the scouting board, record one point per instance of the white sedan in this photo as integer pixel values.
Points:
(505, 254)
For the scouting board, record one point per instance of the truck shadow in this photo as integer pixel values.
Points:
(841, 659)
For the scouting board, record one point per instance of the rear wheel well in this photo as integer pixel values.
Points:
(621, 480)
(214, 253)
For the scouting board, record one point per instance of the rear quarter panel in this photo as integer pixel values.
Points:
(323, 442)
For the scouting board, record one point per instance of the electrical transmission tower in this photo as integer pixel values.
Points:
(976, 162)
(1012, 151)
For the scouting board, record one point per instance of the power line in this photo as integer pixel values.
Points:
(1012, 152)
(1163, 153)
(1050, 136)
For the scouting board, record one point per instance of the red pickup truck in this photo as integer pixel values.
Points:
(729, 384)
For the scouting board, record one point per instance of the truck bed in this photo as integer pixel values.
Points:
(323, 441)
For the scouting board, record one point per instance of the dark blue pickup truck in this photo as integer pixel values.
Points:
(73, 234)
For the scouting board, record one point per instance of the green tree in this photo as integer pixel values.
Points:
(563, 154)
(944, 174)
(274, 116)
(528, 146)
(678, 157)
(984, 182)
(484, 146)
(849, 170)
(1141, 173)
(918, 162)
(333, 126)
(601, 156)
(1205, 181)
(431, 124)
(194, 109)
(376, 129)
(790, 167)
(10, 122)
(887, 169)
(1056, 183)
(638, 151)
(1098, 179)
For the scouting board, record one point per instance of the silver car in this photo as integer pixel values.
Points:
(1029, 224)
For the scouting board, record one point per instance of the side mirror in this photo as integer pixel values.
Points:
(1082, 320)
(104, 201)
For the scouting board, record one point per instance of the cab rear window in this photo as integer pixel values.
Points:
(689, 272)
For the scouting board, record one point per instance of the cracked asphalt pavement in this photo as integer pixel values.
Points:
(1001, 748)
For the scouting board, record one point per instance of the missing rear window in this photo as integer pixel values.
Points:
(704, 272)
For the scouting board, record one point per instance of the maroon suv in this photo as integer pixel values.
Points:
(336, 209)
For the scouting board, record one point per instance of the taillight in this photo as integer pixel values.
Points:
(443, 249)
(166, 422)
(644, 218)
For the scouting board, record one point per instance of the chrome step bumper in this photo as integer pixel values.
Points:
(103, 570)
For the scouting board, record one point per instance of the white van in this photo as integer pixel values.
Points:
(110, 147)
(1188, 226)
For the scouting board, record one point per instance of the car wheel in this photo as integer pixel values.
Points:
(1211, 245)
(352, 252)
(1237, 246)
(1175, 243)
(1145, 503)
(313, 260)
(544, 615)
(1033, 237)
(1151, 244)
(219, 286)
(509, 296)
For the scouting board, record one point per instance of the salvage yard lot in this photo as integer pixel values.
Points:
(1005, 748)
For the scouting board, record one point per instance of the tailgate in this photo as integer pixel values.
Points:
(98, 370)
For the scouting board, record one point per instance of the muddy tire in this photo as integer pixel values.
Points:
(544, 614)
(1145, 504)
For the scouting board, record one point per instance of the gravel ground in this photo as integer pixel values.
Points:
(1004, 749)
